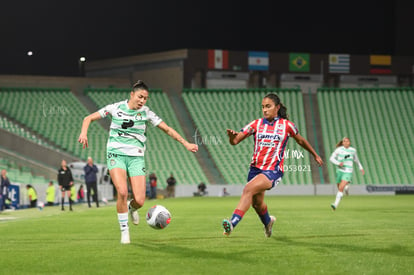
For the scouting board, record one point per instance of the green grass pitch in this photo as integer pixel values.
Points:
(366, 235)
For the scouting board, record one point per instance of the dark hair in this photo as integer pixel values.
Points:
(139, 85)
(30, 186)
(283, 110)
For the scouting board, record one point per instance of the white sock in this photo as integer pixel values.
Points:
(123, 221)
(339, 196)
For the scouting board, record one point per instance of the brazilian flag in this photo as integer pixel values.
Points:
(299, 62)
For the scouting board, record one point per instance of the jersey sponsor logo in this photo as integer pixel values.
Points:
(112, 155)
(269, 136)
(121, 114)
(267, 144)
(127, 124)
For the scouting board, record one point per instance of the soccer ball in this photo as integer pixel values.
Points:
(40, 205)
(158, 217)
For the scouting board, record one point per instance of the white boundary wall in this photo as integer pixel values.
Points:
(105, 191)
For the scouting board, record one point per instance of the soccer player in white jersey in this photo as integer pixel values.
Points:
(126, 148)
(344, 157)
(271, 134)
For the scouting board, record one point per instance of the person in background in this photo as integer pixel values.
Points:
(271, 134)
(343, 157)
(153, 185)
(73, 193)
(91, 170)
(201, 190)
(4, 190)
(148, 188)
(81, 194)
(65, 180)
(224, 192)
(31, 193)
(126, 149)
(50, 194)
(171, 182)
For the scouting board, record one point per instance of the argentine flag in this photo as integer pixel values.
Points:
(258, 61)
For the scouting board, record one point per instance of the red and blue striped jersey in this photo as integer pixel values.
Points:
(270, 140)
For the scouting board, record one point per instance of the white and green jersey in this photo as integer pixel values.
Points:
(347, 156)
(127, 135)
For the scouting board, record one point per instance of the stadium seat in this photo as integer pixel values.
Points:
(164, 155)
(376, 120)
(233, 109)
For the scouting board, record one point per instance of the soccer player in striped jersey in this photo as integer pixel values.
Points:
(271, 134)
(344, 157)
(126, 148)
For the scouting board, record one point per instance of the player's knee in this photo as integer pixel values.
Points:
(123, 194)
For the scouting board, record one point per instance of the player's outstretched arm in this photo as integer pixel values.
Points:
(172, 133)
(235, 137)
(83, 137)
(306, 145)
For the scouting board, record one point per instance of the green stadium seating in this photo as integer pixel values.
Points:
(214, 111)
(164, 155)
(378, 122)
(55, 114)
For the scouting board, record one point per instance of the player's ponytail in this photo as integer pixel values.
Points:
(282, 110)
(341, 142)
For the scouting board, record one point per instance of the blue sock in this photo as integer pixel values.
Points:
(264, 216)
(237, 216)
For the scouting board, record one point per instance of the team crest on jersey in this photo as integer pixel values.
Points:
(138, 116)
(112, 162)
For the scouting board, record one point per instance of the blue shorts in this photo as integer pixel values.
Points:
(275, 176)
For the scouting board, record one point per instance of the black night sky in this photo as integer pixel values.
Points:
(60, 32)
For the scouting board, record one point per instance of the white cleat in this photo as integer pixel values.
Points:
(268, 229)
(134, 214)
(125, 237)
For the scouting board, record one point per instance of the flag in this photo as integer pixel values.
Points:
(258, 61)
(339, 63)
(380, 64)
(218, 59)
(299, 62)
